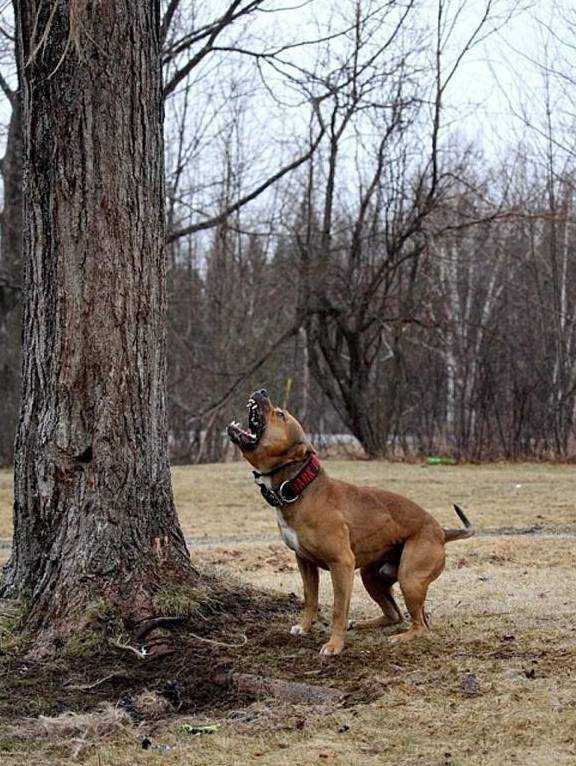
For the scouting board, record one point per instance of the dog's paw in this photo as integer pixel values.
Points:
(407, 635)
(332, 648)
(298, 630)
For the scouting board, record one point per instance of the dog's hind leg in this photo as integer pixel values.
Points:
(421, 563)
(309, 574)
(379, 588)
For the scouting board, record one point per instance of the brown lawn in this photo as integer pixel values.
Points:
(494, 683)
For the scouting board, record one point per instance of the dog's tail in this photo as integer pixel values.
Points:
(459, 534)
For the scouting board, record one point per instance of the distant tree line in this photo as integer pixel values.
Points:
(378, 273)
(464, 347)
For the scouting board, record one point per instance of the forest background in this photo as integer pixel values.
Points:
(370, 210)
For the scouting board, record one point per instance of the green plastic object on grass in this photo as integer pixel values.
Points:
(437, 460)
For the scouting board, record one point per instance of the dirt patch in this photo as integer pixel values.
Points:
(237, 627)
(230, 618)
(493, 683)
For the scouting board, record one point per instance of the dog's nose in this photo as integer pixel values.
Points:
(262, 393)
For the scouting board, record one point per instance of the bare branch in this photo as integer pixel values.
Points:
(250, 370)
(10, 94)
(167, 18)
(217, 219)
(213, 31)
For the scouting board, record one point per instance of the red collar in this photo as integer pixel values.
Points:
(289, 491)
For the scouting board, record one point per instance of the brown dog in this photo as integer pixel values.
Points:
(340, 527)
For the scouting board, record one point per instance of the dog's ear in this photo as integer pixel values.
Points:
(300, 451)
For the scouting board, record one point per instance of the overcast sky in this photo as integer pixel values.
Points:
(496, 81)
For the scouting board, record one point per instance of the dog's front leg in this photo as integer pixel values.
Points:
(309, 573)
(342, 574)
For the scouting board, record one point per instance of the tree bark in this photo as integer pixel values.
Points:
(10, 280)
(93, 511)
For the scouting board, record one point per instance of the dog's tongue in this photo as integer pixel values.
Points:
(236, 430)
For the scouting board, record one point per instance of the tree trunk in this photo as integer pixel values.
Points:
(11, 218)
(10, 281)
(94, 513)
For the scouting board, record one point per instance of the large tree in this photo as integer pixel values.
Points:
(94, 513)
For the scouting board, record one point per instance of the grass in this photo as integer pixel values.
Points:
(221, 500)
(504, 611)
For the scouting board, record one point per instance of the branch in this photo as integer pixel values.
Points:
(221, 217)
(242, 377)
(167, 19)
(11, 95)
(295, 693)
(231, 15)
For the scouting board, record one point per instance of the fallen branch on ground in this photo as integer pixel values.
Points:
(142, 654)
(288, 691)
(94, 684)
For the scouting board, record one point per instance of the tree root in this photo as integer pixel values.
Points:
(158, 622)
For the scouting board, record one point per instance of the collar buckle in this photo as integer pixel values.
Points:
(284, 495)
(283, 489)
(270, 496)
(291, 489)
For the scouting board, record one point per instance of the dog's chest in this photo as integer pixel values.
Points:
(287, 533)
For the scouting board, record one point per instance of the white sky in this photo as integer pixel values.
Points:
(494, 83)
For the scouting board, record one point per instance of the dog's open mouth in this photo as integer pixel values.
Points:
(248, 438)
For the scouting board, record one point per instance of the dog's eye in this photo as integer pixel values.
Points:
(281, 414)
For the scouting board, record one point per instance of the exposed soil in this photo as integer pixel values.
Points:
(238, 627)
(252, 628)
(183, 676)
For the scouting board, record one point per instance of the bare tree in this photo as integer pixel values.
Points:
(94, 515)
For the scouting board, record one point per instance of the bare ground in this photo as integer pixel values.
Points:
(493, 684)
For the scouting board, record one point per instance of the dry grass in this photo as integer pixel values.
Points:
(221, 500)
(73, 731)
(504, 610)
(5, 504)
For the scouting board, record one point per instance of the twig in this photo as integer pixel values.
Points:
(219, 643)
(142, 654)
(289, 691)
(85, 687)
